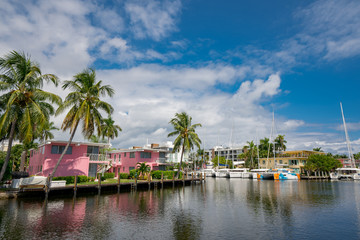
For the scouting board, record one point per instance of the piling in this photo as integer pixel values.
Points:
(192, 177)
(118, 183)
(162, 180)
(173, 179)
(184, 179)
(149, 180)
(75, 185)
(99, 183)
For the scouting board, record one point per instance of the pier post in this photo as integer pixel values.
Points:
(204, 177)
(75, 185)
(184, 179)
(99, 183)
(136, 183)
(201, 175)
(47, 188)
(162, 179)
(173, 179)
(192, 177)
(118, 184)
(149, 180)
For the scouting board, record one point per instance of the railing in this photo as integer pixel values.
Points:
(93, 157)
(161, 160)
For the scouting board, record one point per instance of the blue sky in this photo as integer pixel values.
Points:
(228, 64)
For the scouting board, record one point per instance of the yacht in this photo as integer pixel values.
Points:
(239, 173)
(345, 174)
(208, 172)
(256, 173)
(222, 173)
(280, 174)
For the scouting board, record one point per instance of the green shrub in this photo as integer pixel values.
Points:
(68, 179)
(109, 175)
(124, 175)
(167, 174)
(133, 172)
(91, 179)
(82, 178)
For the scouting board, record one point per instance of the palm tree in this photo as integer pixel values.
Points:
(46, 133)
(84, 103)
(25, 106)
(143, 168)
(109, 129)
(280, 143)
(186, 136)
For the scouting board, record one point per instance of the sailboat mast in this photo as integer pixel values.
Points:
(351, 156)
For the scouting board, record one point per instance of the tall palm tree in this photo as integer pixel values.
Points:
(186, 135)
(280, 143)
(25, 105)
(109, 129)
(84, 103)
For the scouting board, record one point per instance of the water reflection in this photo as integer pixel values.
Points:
(221, 208)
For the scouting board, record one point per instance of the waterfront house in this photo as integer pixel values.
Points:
(295, 160)
(124, 160)
(80, 159)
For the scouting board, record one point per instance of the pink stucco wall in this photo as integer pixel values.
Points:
(123, 163)
(42, 161)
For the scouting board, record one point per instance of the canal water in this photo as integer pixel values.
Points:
(219, 209)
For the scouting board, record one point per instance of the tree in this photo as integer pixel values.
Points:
(46, 133)
(84, 103)
(221, 161)
(25, 105)
(109, 129)
(143, 168)
(265, 148)
(280, 143)
(326, 163)
(186, 135)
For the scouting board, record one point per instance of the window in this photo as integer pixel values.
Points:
(145, 154)
(124, 154)
(280, 161)
(263, 161)
(93, 150)
(132, 155)
(56, 149)
(161, 155)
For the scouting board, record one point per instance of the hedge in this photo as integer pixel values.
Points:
(71, 179)
(109, 175)
(124, 175)
(167, 174)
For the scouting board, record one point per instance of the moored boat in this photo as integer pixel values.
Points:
(239, 173)
(222, 173)
(345, 174)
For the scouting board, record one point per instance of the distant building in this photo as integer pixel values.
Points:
(80, 159)
(4, 144)
(229, 153)
(295, 160)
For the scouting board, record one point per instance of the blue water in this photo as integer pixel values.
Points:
(219, 209)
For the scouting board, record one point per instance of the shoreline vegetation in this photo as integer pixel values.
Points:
(25, 111)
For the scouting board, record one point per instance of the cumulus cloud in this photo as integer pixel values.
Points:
(153, 18)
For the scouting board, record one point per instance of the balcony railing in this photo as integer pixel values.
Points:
(161, 160)
(93, 157)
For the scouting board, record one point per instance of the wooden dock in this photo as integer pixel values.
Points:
(77, 190)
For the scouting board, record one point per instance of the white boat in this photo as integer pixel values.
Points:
(345, 174)
(239, 173)
(279, 174)
(349, 173)
(222, 173)
(256, 173)
(208, 172)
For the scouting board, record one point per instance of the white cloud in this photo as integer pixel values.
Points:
(153, 18)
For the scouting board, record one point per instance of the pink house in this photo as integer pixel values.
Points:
(126, 159)
(80, 159)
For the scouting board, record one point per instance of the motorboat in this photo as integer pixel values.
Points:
(239, 173)
(345, 174)
(256, 173)
(222, 173)
(208, 172)
(280, 174)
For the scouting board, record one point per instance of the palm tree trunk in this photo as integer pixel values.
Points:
(181, 158)
(11, 138)
(61, 157)
(23, 160)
